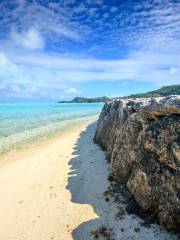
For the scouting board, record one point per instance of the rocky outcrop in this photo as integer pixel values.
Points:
(142, 141)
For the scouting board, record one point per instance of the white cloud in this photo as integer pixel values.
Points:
(148, 25)
(173, 71)
(138, 66)
(31, 39)
(47, 74)
(72, 91)
(3, 59)
(64, 31)
(6, 65)
(151, 29)
(51, 76)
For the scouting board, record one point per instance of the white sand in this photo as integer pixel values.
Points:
(56, 192)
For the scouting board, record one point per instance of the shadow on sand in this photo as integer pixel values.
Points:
(87, 181)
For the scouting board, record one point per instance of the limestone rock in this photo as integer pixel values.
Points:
(142, 141)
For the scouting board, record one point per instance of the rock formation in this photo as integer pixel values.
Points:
(142, 141)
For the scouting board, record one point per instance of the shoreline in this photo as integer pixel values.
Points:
(57, 192)
(35, 190)
(29, 147)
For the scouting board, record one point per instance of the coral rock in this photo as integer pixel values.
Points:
(142, 141)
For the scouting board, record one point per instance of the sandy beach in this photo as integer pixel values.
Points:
(56, 191)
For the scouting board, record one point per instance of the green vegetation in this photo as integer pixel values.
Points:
(162, 92)
(86, 100)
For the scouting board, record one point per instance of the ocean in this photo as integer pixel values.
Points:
(22, 123)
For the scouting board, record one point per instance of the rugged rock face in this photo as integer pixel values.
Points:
(142, 141)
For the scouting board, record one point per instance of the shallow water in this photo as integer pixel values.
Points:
(24, 123)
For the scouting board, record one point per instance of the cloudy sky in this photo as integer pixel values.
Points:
(52, 50)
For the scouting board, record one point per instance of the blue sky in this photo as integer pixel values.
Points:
(54, 50)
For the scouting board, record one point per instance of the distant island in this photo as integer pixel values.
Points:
(86, 100)
(162, 92)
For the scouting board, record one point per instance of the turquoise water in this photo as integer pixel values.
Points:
(23, 123)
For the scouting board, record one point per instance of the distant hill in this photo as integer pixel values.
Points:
(86, 100)
(162, 92)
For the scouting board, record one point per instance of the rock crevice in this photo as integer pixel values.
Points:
(142, 141)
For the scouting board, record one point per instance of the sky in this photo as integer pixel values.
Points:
(56, 50)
